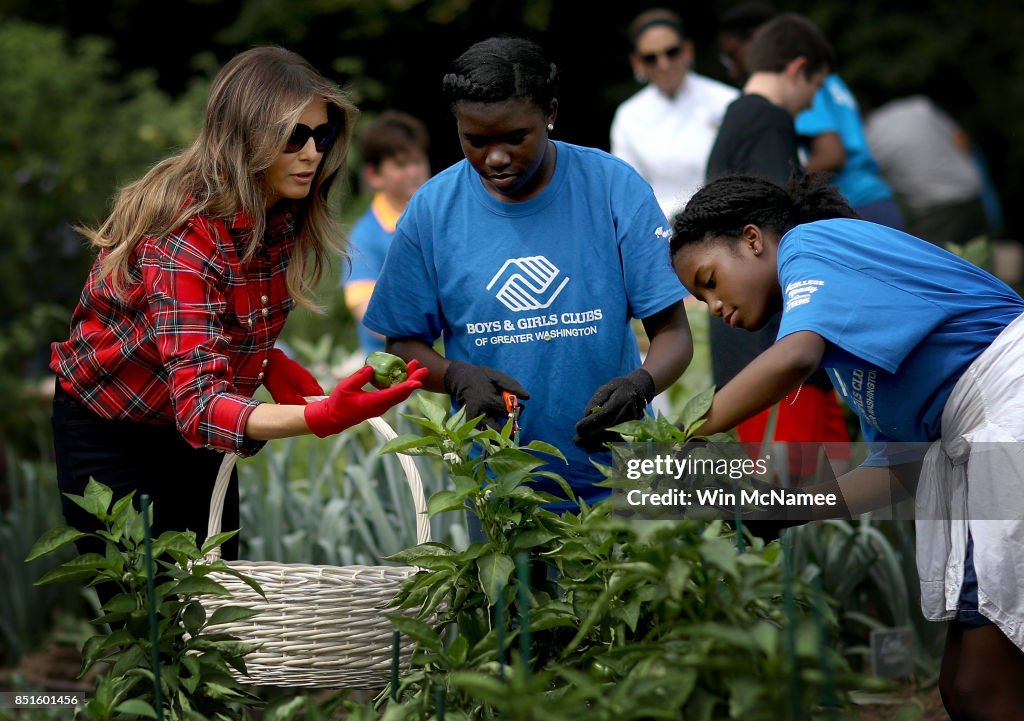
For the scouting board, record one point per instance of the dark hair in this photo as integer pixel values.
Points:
(653, 18)
(743, 19)
(500, 69)
(785, 38)
(391, 134)
(724, 206)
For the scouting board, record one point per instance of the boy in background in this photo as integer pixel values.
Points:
(393, 149)
(788, 60)
(831, 129)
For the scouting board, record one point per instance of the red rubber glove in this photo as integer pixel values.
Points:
(287, 381)
(349, 404)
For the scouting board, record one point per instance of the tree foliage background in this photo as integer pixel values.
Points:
(92, 93)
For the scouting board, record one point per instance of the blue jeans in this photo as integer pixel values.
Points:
(967, 614)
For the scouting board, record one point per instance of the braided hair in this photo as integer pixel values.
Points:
(500, 69)
(722, 207)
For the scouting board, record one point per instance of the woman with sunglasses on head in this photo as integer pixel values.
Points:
(529, 259)
(199, 264)
(928, 349)
(666, 130)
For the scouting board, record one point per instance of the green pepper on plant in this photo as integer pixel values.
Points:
(388, 369)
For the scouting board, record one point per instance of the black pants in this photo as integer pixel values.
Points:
(148, 459)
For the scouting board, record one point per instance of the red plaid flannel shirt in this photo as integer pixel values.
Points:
(187, 344)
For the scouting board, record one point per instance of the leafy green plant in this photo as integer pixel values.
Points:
(589, 616)
(869, 568)
(28, 612)
(195, 662)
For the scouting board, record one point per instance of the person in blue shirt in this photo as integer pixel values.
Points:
(393, 148)
(832, 129)
(926, 348)
(837, 144)
(529, 258)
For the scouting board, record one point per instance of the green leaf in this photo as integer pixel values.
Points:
(487, 689)
(193, 617)
(221, 567)
(54, 539)
(434, 413)
(416, 555)
(696, 408)
(420, 632)
(630, 612)
(180, 545)
(546, 448)
(445, 501)
(532, 538)
(721, 554)
(190, 682)
(122, 503)
(766, 635)
(63, 575)
(97, 499)
(631, 429)
(458, 651)
(465, 485)
(220, 691)
(215, 541)
(87, 561)
(136, 707)
(91, 651)
(193, 586)
(494, 571)
(406, 444)
(230, 614)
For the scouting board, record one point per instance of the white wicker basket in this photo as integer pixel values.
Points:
(319, 626)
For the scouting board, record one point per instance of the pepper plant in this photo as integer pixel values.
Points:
(606, 618)
(195, 662)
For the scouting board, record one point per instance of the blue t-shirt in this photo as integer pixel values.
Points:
(903, 319)
(543, 290)
(835, 110)
(369, 243)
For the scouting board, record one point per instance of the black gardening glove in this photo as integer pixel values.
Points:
(478, 390)
(619, 400)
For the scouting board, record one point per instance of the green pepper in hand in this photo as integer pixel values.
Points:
(388, 369)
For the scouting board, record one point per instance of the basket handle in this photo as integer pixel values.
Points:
(412, 477)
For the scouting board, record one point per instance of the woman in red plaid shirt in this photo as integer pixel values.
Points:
(199, 264)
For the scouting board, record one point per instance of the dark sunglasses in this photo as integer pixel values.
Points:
(670, 54)
(323, 137)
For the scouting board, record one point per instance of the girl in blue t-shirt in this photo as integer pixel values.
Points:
(924, 347)
(528, 259)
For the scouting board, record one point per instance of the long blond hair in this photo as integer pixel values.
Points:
(255, 101)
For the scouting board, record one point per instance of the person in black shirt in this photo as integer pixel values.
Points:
(788, 61)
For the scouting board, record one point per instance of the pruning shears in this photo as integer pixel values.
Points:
(512, 408)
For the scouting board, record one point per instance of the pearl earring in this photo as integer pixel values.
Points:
(551, 126)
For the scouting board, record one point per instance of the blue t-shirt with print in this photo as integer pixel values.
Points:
(903, 319)
(543, 290)
(369, 243)
(835, 110)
